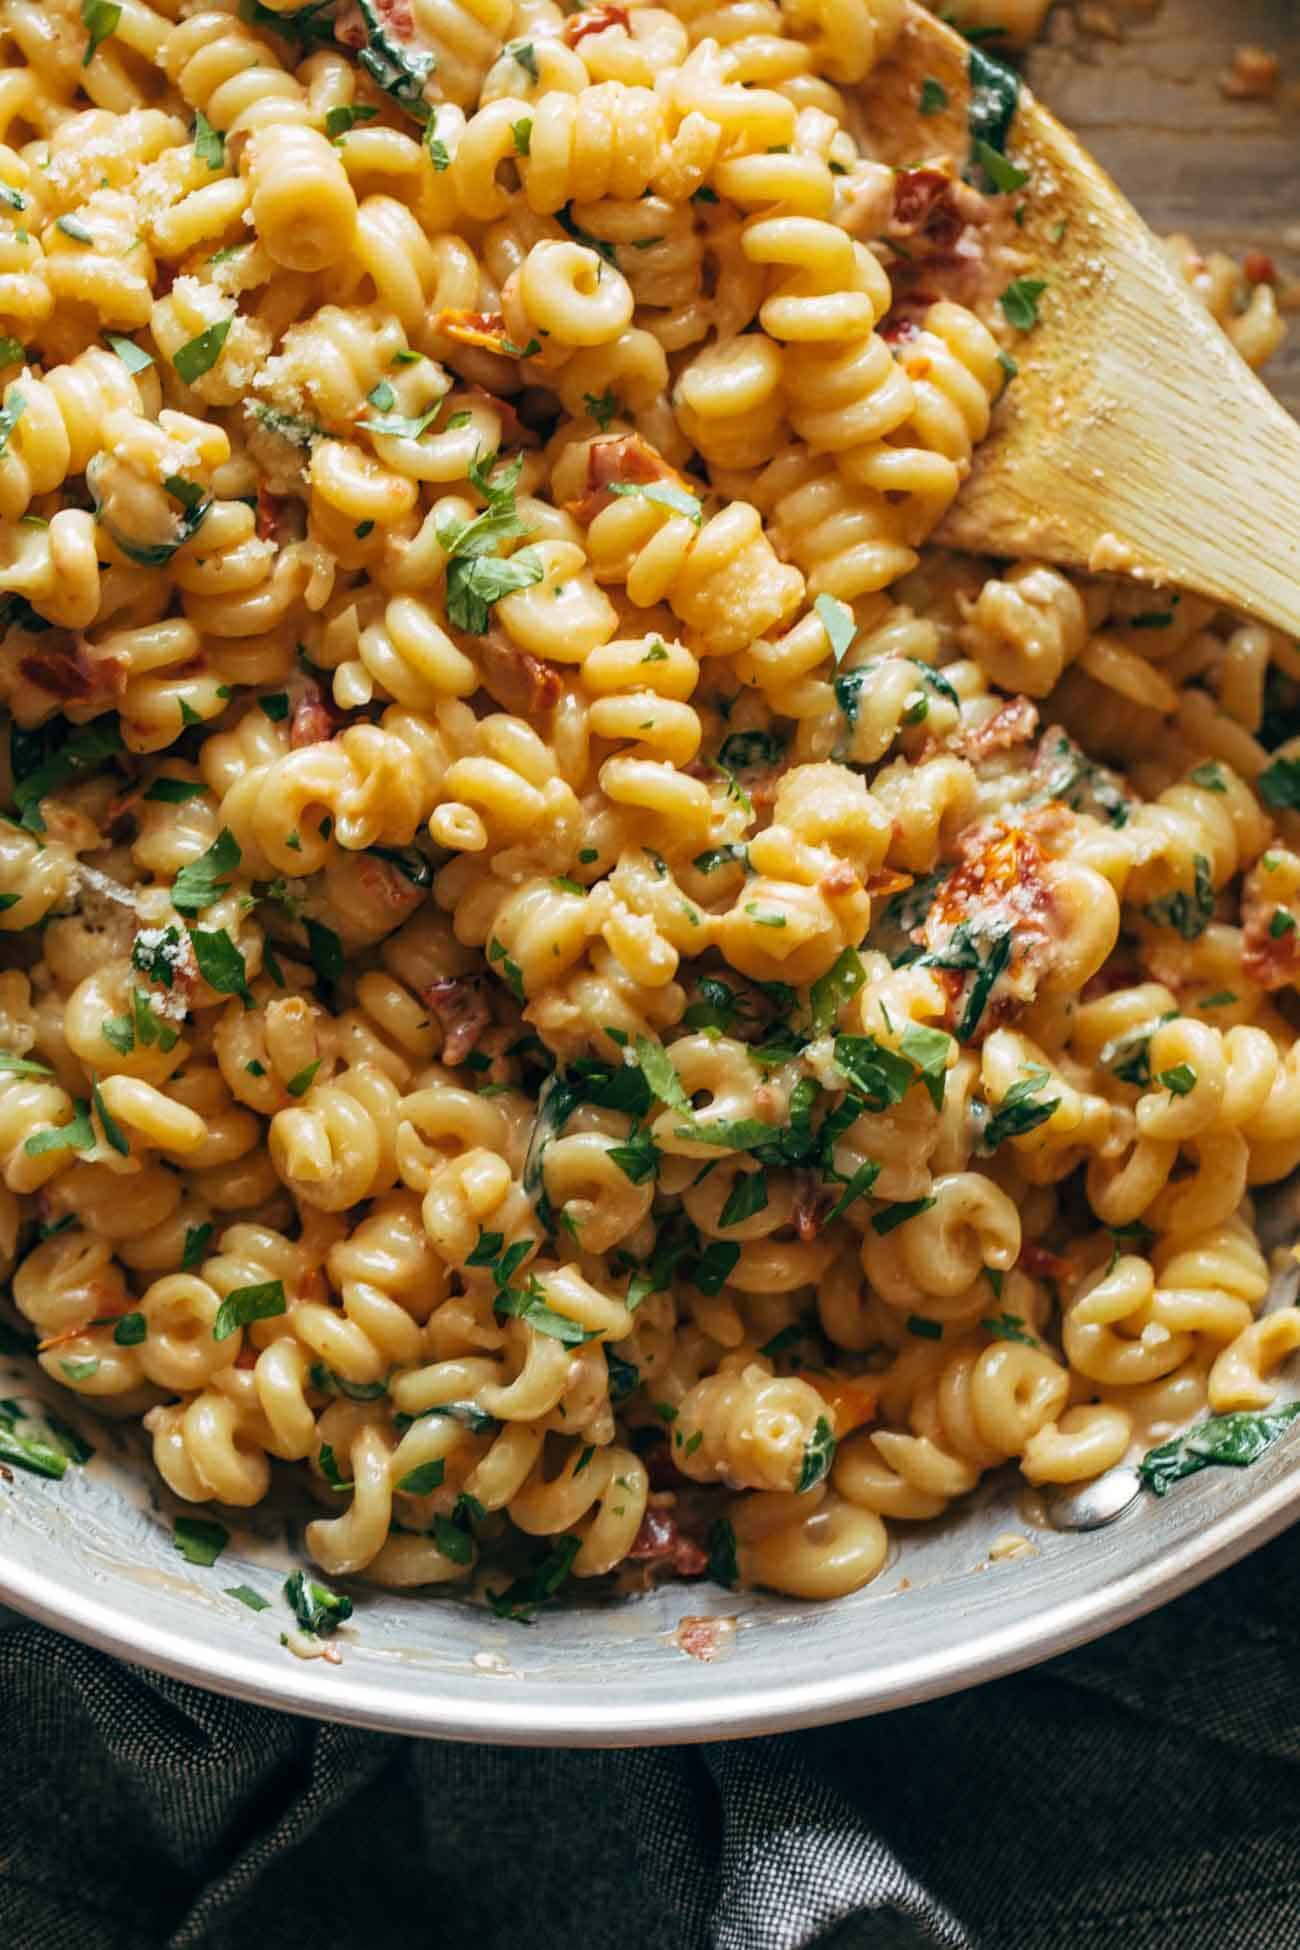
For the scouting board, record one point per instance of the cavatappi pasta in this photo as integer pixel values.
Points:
(562, 973)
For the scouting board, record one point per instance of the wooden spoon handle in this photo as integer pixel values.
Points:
(1142, 443)
(1134, 440)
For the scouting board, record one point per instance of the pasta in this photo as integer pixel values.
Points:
(566, 975)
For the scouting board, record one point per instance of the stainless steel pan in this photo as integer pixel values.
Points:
(93, 1555)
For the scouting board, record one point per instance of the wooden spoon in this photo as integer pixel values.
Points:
(1134, 440)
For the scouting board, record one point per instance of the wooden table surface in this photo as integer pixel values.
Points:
(1150, 108)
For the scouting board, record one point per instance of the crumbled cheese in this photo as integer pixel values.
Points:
(153, 943)
(279, 385)
(1111, 555)
(202, 299)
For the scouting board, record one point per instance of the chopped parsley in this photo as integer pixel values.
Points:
(206, 879)
(1231, 1440)
(520, 1600)
(100, 18)
(200, 354)
(299, 432)
(209, 143)
(197, 1241)
(1076, 782)
(76, 1135)
(339, 121)
(400, 71)
(832, 990)
(1188, 914)
(1022, 1109)
(721, 1541)
(714, 1266)
(856, 1187)
(928, 1050)
(664, 494)
(1019, 302)
(316, 1608)
(717, 1006)
(1009, 1327)
(624, 1377)
(44, 761)
(513, 973)
(200, 1540)
(603, 407)
(325, 952)
(881, 1075)
(476, 576)
(453, 1540)
(397, 426)
(175, 792)
(747, 1196)
(247, 1596)
(31, 1437)
(245, 1304)
(818, 1455)
(838, 621)
(14, 407)
(131, 355)
(528, 1303)
(219, 962)
(963, 953)
(995, 92)
(524, 54)
(113, 1135)
(1001, 174)
(637, 1157)
(22, 1066)
(1279, 783)
(742, 751)
(897, 1215)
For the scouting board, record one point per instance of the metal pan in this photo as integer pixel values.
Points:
(93, 1555)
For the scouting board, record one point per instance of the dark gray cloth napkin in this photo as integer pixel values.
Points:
(1141, 1794)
